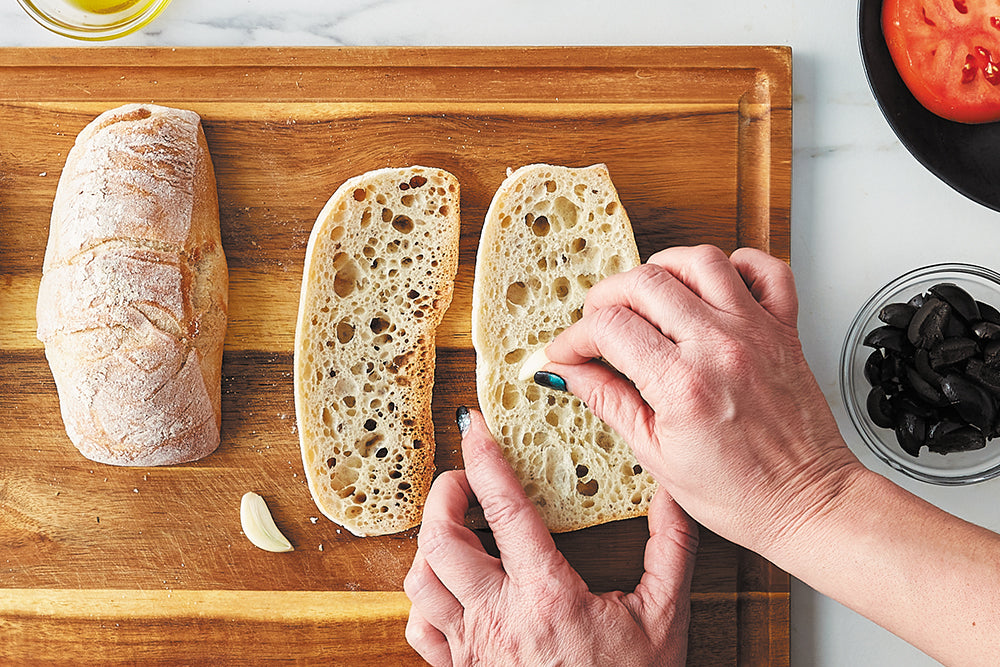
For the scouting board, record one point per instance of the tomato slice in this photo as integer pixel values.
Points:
(948, 54)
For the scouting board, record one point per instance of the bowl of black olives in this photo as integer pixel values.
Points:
(920, 373)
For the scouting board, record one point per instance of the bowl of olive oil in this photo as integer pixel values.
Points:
(93, 20)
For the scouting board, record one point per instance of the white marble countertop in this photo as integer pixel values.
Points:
(863, 210)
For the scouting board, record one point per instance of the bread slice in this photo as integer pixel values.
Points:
(550, 234)
(379, 274)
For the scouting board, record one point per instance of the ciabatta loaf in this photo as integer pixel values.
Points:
(133, 297)
(550, 234)
(379, 274)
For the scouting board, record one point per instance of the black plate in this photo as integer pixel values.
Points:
(966, 157)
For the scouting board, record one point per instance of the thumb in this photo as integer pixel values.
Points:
(527, 550)
(665, 586)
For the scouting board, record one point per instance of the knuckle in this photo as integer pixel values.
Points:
(709, 253)
(602, 400)
(609, 321)
(448, 477)
(685, 538)
(435, 537)
(650, 278)
(415, 581)
(690, 390)
(701, 391)
(749, 252)
(734, 357)
(416, 633)
(502, 512)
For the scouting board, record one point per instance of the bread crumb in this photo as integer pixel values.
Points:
(314, 519)
(321, 547)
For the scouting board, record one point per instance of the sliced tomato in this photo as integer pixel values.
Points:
(948, 54)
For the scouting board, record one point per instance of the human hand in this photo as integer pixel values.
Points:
(529, 607)
(706, 380)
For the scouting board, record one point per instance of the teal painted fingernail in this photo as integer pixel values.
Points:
(550, 381)
(463, 419)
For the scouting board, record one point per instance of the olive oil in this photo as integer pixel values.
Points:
(105, 6)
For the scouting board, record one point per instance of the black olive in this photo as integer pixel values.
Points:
(911, 431)
(924, 390)
(945, 437)
(873, 368)
(973, 403)
(988, 312)
(897, 314)
(984, 375)
(918, 300)
(986, 330)
(955, 328)
(913, 405)
(890, 338)
(952, 351)
(928, 324)
(991, 354)
(879, 408)
(922, 364)
(961, 302)
(894, 367)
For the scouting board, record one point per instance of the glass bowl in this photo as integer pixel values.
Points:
(93, 20)
(948, 469)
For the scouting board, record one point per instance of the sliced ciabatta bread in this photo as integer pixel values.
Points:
(550, 234)
(379, 274)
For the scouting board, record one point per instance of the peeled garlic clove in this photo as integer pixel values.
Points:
(258, 525)
(533, 364)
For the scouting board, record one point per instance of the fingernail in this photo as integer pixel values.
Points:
(550, 381)
(463, 419)
(533, 364)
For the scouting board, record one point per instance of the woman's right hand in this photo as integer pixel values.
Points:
(703, 374)
(705, 378)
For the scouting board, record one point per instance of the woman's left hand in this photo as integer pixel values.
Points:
(530, 606)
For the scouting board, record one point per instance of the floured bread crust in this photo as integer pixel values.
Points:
(133, 298)
(550, 234)
(379, 275)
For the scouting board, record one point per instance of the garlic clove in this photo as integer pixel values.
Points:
(258, 525)
(533, 364)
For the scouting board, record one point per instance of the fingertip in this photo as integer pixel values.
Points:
(477, 441)
(429, 642)
(770, 281)
(416, 576)
(749, 253)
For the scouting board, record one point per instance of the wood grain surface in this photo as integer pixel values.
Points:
(124, 565)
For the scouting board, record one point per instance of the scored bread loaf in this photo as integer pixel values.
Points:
(550, 234)
(133, 297)
(379, 274)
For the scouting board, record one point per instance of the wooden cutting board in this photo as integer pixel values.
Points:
(106, 565)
